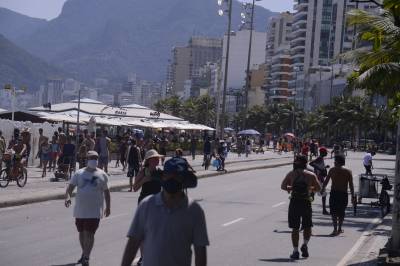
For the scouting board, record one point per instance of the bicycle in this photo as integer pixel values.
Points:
(14, 171)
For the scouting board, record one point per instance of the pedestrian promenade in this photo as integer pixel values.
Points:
(41, 189)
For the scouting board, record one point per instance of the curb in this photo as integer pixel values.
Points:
(119, 187)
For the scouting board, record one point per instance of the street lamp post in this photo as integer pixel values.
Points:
(247, 86)
(221, 12)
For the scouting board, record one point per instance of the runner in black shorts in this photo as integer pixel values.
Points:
(300, 183)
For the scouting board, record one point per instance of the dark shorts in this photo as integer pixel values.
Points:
(300, 212)
(89, 225)
(338, 201)
(103, 161)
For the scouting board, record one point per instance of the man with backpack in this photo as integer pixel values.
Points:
(300, 183)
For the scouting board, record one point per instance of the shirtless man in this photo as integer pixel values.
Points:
(300, 183)
(342, 178)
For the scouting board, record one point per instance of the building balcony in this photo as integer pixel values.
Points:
(300, 14)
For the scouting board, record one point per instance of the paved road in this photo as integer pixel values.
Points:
(246, 216)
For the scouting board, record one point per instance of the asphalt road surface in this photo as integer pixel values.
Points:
(246, 216)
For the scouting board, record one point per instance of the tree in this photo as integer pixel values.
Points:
(379, 64)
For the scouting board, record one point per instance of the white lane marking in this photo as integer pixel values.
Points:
(344, 261)
(232, 222)
(116, 216)
(278, 204)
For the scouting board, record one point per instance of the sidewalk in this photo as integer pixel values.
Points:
(40, 189)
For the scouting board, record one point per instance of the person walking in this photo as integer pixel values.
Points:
(248, 146)
(3, 145)
(103, 149)
(45, 155)
(55, 151)
(40, 142)
(320, 170)
(207, 149)
(179, 222)
(134, 162)
(149, 178)
(367, 162)
(300, 183)
(123, 149)
(92, 191)
(88, 144)
(342, 179)
(193, 147)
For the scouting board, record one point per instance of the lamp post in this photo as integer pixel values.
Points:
(247, 86)
(77, 123)
(221, 13)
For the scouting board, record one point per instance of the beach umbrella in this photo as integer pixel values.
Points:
(249, 132)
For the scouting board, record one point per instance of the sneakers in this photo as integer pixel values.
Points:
(84, 261)
(295, 255)
(304, 251)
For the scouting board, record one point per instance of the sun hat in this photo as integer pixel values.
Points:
(92, 153)
(180, 167)
(152, 154)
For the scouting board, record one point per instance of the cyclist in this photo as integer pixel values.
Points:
(19, 150)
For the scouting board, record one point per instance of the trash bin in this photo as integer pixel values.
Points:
(367, 187)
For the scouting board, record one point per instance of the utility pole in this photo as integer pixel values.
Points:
(222, 122)
(248, 82)
(77, 123)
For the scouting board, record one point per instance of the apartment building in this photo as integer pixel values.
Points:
(278, 59)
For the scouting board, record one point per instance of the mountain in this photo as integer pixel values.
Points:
(111, 38)
(20, 68)
(14, 25)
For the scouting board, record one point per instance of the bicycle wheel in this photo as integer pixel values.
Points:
(22, 178)
(4, 178)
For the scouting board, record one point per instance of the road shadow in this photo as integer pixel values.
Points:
(282, 231)
(365, 263)
(280, 260)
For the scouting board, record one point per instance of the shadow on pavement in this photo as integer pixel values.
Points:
(282, 260)
(365, 263)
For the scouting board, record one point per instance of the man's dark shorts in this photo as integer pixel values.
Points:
(89, 225)
(338, 201)
(300, 212)
(103, 161)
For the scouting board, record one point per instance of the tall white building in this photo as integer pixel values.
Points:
(238, 53)
(278, 58)
(319, 35)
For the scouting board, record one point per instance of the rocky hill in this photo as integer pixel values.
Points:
(20, 68)
(111, 38)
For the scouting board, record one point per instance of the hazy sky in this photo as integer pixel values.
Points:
(49, 9)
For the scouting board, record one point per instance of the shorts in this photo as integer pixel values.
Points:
(87, 224)
(338, 201)
(103, 161)
(300, 212)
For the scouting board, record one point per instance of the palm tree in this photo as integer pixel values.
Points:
(379, 66)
